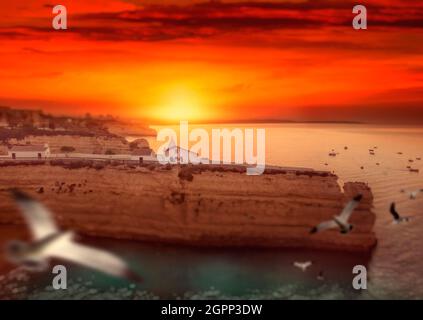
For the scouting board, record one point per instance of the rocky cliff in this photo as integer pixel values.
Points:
(227, 209)
(81, 144)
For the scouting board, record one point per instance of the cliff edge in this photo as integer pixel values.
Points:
(222, 208)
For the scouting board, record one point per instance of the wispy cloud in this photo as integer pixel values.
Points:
(207, 19)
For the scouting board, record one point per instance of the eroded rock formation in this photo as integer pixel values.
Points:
(227, 209)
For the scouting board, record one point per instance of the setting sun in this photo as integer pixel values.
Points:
(181, 102)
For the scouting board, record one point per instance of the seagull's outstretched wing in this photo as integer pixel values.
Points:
(330, 224)
(349, 208)
(394, 212)
(299, 265)
(101, 260)
(38, 217)
(302, 265)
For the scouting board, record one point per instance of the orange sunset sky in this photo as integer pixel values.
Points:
(223, 60)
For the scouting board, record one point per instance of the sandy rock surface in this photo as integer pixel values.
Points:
(227, 209)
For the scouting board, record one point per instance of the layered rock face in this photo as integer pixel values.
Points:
(224, 209)
(96, 145)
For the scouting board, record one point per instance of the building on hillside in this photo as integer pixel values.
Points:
(176, 154)
(29, 151)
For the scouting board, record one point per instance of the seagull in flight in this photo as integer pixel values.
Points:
(50, 242)
(413, 194)
(303, 265)
(397, 217)
(340, 221)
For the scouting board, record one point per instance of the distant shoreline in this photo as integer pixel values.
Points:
(261, 122)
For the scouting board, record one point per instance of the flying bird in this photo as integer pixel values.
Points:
(413, 194)
(50, 242)
(395, 214)
(340, 221)
(303, 265)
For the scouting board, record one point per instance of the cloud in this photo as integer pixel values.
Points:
(208, 19)
(274, 57)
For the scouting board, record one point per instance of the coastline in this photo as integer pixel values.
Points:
(213, 207)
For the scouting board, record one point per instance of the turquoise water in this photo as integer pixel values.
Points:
(182, 273)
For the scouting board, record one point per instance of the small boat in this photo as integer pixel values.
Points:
(410, 160)
(418, 159)
(414, 170)
(332, 154)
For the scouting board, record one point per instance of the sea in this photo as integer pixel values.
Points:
(394, 268)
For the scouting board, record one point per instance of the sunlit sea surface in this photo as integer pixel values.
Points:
(395, 268)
